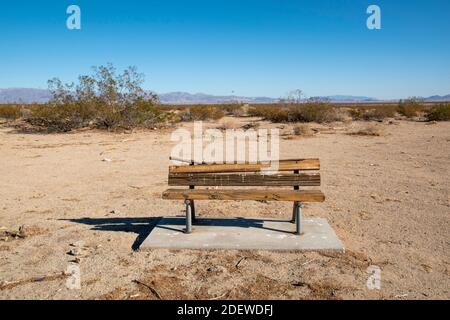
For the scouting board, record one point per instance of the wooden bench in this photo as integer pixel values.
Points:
(291, 173)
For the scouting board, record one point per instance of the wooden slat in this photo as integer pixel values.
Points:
(244, 179)
(248, 194)
(284, 165)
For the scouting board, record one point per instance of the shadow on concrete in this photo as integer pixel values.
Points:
(219, 222)
(143, 226)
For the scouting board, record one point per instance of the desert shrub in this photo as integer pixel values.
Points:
(356, 113)
(202, 112)
(233, 109)
(63, 118)
(226, 124)
(377, 113)
(140, 114)
(440, 112)
(302, 130)
(275, 114)
(184, 115)
(367, 130)
(104, 99)
(312, 112)
(410, 107)
(263, 111)
(10, 111)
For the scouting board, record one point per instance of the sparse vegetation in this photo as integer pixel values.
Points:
(440, 112)
(302, 130)
(273, 113)
(310, 111)
(367, 130)
(313, 111)
(410, 107)
(377, 113)
(10, 111)
(104, 99)
(235, 109)
(202, 112)
(110, 101)
(226, 124)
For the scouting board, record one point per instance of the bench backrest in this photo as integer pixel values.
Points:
(296, 172)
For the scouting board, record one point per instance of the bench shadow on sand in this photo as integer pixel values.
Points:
(143, 226)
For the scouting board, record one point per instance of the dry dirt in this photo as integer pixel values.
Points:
(388, 199)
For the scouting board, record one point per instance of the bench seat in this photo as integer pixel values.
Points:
(244, 194)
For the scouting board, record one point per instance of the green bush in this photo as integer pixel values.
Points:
(440, 112)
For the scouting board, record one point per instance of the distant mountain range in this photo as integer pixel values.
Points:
(24, 95)
(342, 98)
(438, 98)
(188, 98)
(31, 95)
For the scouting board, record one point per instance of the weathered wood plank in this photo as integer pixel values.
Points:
(244, 179)
(284, 165)
(248, 194)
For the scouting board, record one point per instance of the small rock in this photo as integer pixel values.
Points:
(106, 160)
(78, 244)
(217, 269)
(427, 268)
(22, 233)
(76, 252)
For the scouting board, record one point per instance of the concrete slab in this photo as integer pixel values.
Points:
(243, 234)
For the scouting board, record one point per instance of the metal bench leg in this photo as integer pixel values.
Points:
(298, 218)
(188, 216)
(293, 212)
(194, 219)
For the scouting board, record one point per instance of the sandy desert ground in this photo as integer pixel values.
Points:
(388, 199)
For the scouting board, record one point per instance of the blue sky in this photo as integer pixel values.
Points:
(248, 47)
